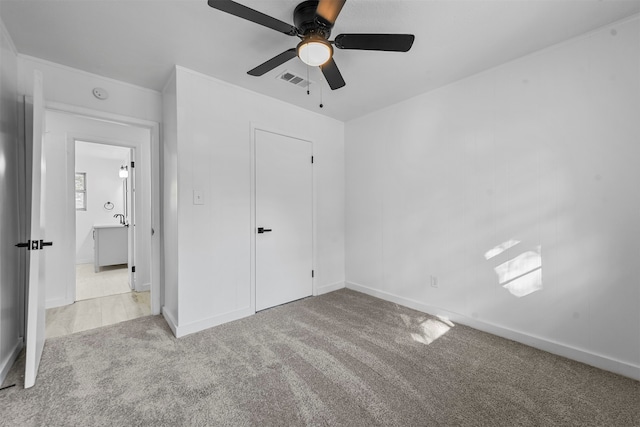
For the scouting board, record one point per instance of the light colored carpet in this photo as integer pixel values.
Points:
(341, 359)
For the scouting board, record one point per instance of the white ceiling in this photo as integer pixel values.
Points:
(139, 41)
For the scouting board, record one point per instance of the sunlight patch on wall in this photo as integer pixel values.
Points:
(522, 274)
(500, 248)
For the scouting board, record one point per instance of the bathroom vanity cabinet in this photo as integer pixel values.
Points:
(110, 245)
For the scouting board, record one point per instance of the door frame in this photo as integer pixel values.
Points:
(157, 281)
(259, 127)
(133, 234)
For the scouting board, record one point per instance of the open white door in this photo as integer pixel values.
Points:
(284, 219)
(35, 332)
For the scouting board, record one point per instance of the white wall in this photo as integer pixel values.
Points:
(62, 130)
(101, 163)
(10, 215)
(75, 87)
(213, 154)
(170, 259)
(543, 150)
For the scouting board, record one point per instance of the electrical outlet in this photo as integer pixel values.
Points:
(434, 281)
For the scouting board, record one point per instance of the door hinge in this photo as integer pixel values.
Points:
(133, 269)
(312, 273)
(133, 164)
(311, 159)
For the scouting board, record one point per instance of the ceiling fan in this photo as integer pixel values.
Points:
(313, 22)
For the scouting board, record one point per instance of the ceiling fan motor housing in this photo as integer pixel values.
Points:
(314, 20)
(308, 23)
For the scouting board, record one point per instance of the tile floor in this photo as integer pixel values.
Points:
(104, 298)
(110, 280)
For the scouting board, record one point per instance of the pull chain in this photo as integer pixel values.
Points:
(309, 86)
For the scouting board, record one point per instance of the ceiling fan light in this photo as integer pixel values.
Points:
(315, 51)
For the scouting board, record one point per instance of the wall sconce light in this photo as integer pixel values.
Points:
(124, 172)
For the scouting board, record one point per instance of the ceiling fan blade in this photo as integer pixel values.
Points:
(386, 42)
(273, 63)
(249, 14)
(332, 74)
(329, 10)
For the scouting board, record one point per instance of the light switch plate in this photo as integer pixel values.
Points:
(198, 198)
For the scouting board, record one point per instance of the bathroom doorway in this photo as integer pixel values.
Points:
(103, 199)
(104, 220)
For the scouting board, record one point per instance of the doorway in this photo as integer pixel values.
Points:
(283, 219)
(102, 272)
(104, 222)
(49, 203)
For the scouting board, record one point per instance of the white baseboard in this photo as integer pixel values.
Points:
(144, 287)
(200, 325)
(84, 261)
(329, 288)
(580, 355)
(57, 302)
(170, 319)
(7, 362)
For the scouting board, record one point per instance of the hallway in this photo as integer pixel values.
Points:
(102, 299)
(96, 312)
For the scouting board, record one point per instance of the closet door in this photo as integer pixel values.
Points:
(284, 223)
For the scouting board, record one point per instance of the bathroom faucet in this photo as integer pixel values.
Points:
(121, 218)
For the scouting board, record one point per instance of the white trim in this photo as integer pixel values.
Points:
(254, 126)
(7, 36)
(7, 363)
(157, 275)
(580, 355)
(325, 289)
(71, 226)
(314, 223)
(86, 73)
(134, 233)
(143, 287)
(99, 115)
(201, 325)
(59, 302)
(252, 218)
(170, 319)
